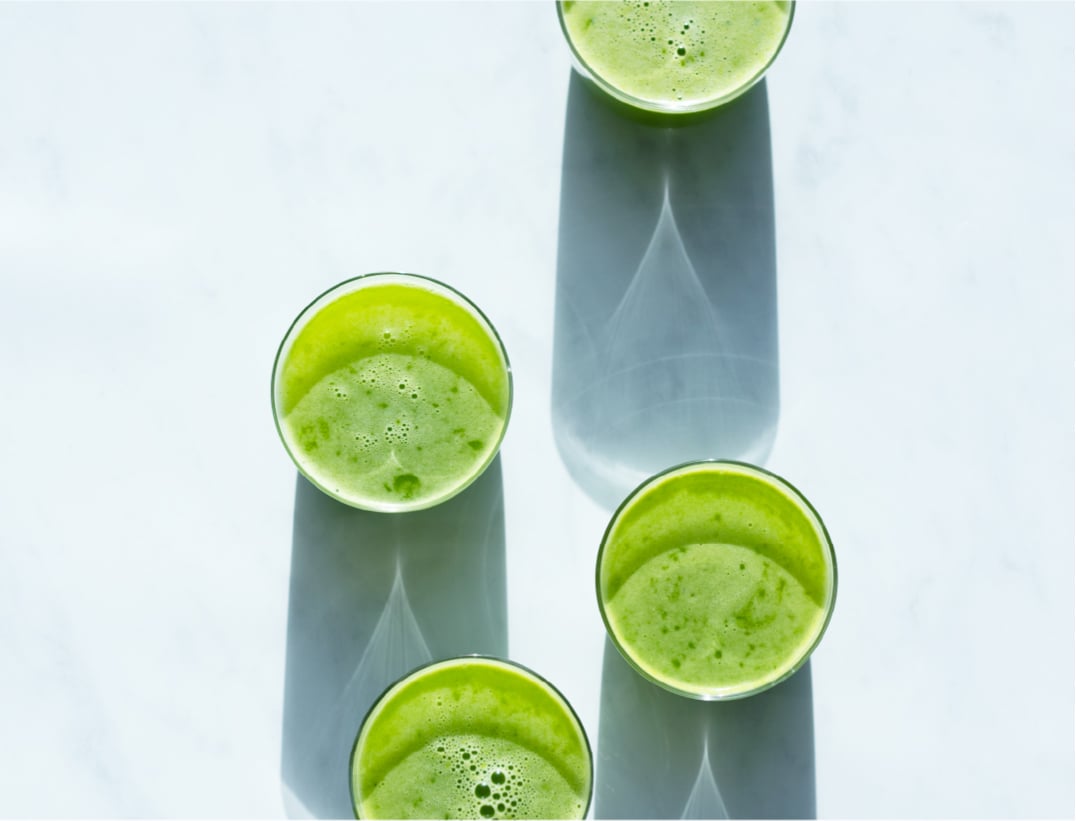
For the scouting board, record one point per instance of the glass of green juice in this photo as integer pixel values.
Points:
(471, 737)
(674, 56)
(391, 392)
(716, 579)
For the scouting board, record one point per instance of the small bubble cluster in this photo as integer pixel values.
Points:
(382, 378)
(338, 390)
(651, 25)
(397, 431)
(402, 337)
(492, 789)
(366, 441)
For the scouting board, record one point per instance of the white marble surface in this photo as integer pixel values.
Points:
(176, 181)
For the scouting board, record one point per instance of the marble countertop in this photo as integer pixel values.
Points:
(189, 630)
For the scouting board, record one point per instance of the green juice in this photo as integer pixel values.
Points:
(675, 55)
(716, 579)
(392, 392)
(471, 738)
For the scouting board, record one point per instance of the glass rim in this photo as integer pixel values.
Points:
(460, 660)
(672, 109)
(799, 498)
(415, 280)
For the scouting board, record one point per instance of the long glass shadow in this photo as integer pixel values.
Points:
(661, 755)
(665, 335)
(372, 596)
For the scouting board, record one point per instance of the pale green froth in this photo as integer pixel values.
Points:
(472, 776)
(392, 427)
(675, 52)
(466, 735)
(716, 580)
(710, 613)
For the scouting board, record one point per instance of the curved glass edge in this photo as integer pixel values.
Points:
(351, 285)
(770, 476)
(460, 660)
(670, 113)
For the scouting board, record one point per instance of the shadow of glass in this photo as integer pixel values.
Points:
(661, 755)
(665, 335)
(373, 596)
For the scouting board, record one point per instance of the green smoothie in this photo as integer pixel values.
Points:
(675, 55)
(716, 579)
(471, 738)
(391, 392)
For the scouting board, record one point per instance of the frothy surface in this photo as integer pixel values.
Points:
(676, 52)
(471, 738)
(393, 395)
(716, 580)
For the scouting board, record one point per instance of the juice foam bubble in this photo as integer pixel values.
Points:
(471, 738)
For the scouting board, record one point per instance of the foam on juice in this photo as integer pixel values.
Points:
(676, 52)
(471, 738)
(715, 580)
(393, 395)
